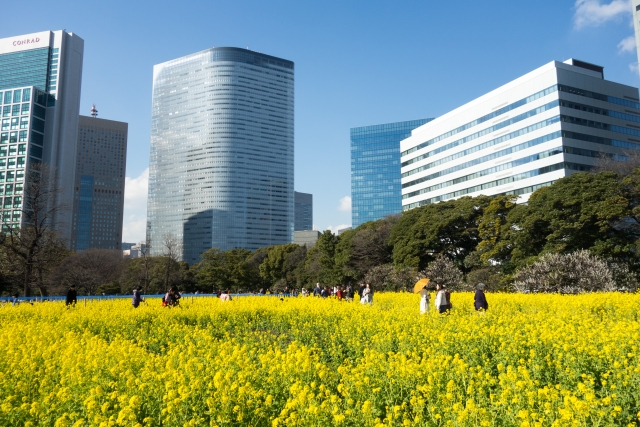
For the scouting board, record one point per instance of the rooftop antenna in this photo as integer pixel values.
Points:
(94, 111)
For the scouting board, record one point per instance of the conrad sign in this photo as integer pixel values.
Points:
(26, 42)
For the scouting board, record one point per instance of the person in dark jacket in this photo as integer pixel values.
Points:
(137, 297)
(72, 296)
(480, 300)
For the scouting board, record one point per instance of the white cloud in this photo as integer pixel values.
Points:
(593, 13)
(335, 229)
(345, 204)
(135, 208)
(627, 45)
(634, 67)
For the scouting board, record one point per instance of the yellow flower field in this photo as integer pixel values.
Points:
(532, 360)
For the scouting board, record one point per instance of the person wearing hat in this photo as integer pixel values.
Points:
(137, 297)
(480, 300)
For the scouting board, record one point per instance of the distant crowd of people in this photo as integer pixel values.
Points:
(346, 293)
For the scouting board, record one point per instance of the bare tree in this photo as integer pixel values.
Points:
(444, 272)
(622, 165)
(90, 269)
(171, 251)
(34, 247)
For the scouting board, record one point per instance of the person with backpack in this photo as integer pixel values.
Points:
(443, 302)
(137, 297)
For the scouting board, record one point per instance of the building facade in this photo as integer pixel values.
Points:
(547, 124)
(375, 170)
(40, 79)
(221, 164)
(306, 238)
(303, 208)
(98, 205)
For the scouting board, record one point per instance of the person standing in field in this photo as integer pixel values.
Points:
(480, 299)
(172, 298)
(72, 296)
(425, 297)
(14, 299)
(225, 296)
(367, 295)
(442, 302)
(137, 297)
(317, 291)
(349, 293)
(339, 294)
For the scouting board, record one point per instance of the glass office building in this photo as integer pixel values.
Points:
(99, 189)
(375, 170)
(548, 124)
(221, 164)
(303, 211)
(40, 78)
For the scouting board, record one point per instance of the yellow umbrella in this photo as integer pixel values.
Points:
(420, 284)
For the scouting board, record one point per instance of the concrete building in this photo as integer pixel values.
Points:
(221, 164)
(342, 230)
(547, 124)
(375, 170)
(135, 251)
(99, 184)
(306, 238)
(40, 80)
(303, 208)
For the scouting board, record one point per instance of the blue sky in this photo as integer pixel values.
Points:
(357, 64)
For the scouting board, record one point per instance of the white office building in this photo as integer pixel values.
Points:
(525, 135)
(40, 79)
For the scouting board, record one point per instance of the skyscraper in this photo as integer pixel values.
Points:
(40, 78)
(636, 26)
(303, 211)
(221, 164)
(375, 170)
(99, 184)
(549, 123)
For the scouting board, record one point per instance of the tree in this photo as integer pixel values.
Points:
(171, 250)
(224, 270)
(449, 228)
(581, 211)
(444, 272)
(275, 266)
(34, 248)
(571, 273)
(387, 278)
(620, 165)
(90, 269)
(320, 264)
(365, 247)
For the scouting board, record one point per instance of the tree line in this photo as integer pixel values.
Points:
(592, 219)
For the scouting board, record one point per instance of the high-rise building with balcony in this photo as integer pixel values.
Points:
(221, 164)
(40, 79)
(549, 123)
(375, 170)
(99, 184)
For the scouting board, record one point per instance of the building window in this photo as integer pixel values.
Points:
(6, 110)
(17, 95)
(7, 97)
(13, 137)
(26, 95)
(24, 123)
(25, 109)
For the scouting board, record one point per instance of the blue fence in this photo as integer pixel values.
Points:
(112, 297)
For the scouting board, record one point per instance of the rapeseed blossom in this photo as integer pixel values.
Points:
(531, 360)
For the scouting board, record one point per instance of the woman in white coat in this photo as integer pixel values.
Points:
(425, 297)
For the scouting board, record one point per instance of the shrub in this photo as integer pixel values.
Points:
(443, 271)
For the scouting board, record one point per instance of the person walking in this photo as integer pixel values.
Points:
(349, 293)
(425, 297)
(15, 300)
(480, 299)
(137, 297)
(366, 295)
(72, 296)
(442, 303)
(317, 291)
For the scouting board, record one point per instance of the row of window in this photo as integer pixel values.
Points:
(508, 122)
(496, 183)
(15, 110)
(485, 172)
(10, 176)
(18, 95)
(13, 163)
(487, 158)
(11, 189)
(12, 202)
(562, 88)
(15, 123)
(13, 150)
(489, 143)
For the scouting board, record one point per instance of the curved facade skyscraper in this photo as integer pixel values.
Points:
(221, 164)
